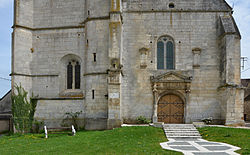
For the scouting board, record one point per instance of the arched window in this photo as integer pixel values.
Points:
(73, 75)
(77, 75)
(69, 76)
(165, 53)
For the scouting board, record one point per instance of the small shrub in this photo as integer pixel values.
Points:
(227, 135)
(142, 120)
(71, 119)
(23, 110)
(37, 126)
(207, 120)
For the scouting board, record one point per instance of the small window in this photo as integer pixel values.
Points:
(93, 94)
(94, 56)
(171, 5)
(69, 76)
(77, 75)
(73, 75)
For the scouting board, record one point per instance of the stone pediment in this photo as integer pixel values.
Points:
(171, 77)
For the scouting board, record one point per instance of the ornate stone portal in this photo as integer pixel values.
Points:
(170, 83)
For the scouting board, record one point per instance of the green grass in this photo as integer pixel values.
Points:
(236, 137)
(126, 140)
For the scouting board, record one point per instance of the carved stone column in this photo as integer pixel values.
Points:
(114, 72)
(155, 92)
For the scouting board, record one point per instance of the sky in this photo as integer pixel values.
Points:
(241, 13)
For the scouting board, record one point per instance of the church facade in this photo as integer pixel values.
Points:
(171, 61)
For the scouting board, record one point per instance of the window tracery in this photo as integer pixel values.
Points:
(73, 75)
(165, 53)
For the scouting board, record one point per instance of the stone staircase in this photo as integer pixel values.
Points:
(181, 131)
(247, 124)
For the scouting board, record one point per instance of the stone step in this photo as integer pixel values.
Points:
(182, 134)
(180, 128)
(181, 131)
(178, 125)
(187, 137)
(247, 124)
(168, 136)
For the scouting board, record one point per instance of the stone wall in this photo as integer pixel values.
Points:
(58, 13)
(23, 13)
(245, 83)
(247, 109)
(53, 112)
(189, 30)
(116, 44)
(5, 113)
(4, 125)
(5, 103)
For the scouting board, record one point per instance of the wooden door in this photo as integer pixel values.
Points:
(171, 109)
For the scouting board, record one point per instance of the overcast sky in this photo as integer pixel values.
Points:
(241, 14)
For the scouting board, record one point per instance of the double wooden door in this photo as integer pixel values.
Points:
(171, 109)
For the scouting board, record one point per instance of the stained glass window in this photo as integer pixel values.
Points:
(170, 55)
(73, 75)
(165, 53)
(160, 55)
(69, 76)
(77, 76)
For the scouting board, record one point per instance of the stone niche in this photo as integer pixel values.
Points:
(144, 52)
(196, 57)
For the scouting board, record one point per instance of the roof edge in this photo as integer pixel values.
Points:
(5, 95)
(227, 5)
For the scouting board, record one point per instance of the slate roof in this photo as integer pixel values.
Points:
(5, 103)
(228, 26)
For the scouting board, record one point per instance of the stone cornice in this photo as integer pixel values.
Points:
(29, 75)
(59, 98)
(48, 28)
(95, 18)
(162, 11)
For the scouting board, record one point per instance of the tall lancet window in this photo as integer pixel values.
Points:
(73, 75)
(69, 76)
(165, 53)
(77, 75)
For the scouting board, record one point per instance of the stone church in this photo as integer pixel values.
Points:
(171, 61)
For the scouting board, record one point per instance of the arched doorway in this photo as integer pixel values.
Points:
(171, 109)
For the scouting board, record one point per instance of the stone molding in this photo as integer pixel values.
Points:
(171, 76)
(95, 18)
(29, 75)
(59, 98)
(49, 28)
(164, 11)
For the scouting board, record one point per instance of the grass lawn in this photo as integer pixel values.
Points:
(236, 137)
(126, 140)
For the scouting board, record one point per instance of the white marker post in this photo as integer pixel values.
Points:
(46, 132)
(73, 130)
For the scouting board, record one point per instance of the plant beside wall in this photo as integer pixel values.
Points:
(142, 120)
(71, 119)
(38, 126)
(207, 120)
(23, 110)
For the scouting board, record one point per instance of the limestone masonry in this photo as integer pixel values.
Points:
(172, 61)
